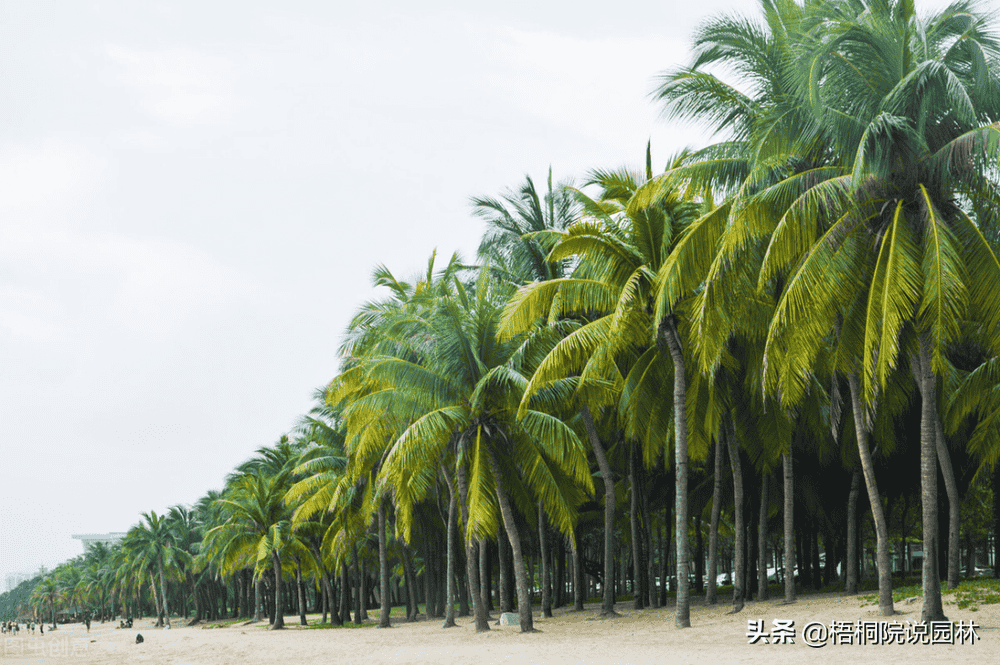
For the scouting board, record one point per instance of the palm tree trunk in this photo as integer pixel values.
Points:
(762, 539)
(383, 569)
(637, 598)
(258, 589)
(359, 590)
(851, 559)
(578, 584)
(881, 528)
(194, 593)
(156, 604)
(449, 612)
(279, 609)
(345, 593)
(503, 563)
(789, 518)
(652, 598)
(411, 581)
(954, 503)
(668, 330)
(607, 584)
(932, 610)
(331, 599)
(544, 548)
(739, 547)
(163, 592)
(478, 608)
(485, 577)
(711, 594)
(520, 574)
(301, 591)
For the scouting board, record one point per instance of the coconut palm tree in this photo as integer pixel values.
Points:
(151, 541)
(766, 132)
(257, 530)
(620, 246)
(890, 247)
(48, 592)
(518, 236)
(459, 392)
(187, 536)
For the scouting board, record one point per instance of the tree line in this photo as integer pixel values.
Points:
(749, 360)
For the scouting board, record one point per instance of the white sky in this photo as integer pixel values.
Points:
(193, 196)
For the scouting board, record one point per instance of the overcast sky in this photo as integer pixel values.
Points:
(193, 196)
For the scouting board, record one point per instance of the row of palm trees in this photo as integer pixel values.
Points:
(815, 293)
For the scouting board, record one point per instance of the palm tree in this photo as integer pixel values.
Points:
(151, 541)
(890, 247)
(459, 389)
(320, 468)
(768, 134)
(620, 247)
(519, 229)
(258, 530)
(187, 536)
(49, 592)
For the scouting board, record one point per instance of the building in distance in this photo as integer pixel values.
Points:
(109, 539)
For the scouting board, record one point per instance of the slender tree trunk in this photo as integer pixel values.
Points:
(633, 518)
(789, 523)
(711, 594)
(410, 579)
(449, 612)
(739, 547)
(607, 584)
(520, 574)
(954, 503)
(503, 563)
(929, 422)
(194, 593)
(331, 599)
(485, 578)
(478, 608)
(428, 572)
(881, 528)
(258, 588)
(279, 610)
(383, 570)
(462, 584)
(301, 591)
(673, 340)
(345, 593)
(558, 552)
(851, 558)
(649, 570)
(163, 593)
(359, 589)
(156, 604)
(762, 539)
(544, 548)
(578, 584)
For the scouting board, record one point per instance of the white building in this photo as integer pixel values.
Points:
(13, 579)
(109, 539)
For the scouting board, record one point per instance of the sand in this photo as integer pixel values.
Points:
(645, 636)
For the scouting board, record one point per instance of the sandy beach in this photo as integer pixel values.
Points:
(646, 636)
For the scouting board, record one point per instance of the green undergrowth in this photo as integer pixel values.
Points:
(969, 594)
(329, 626)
